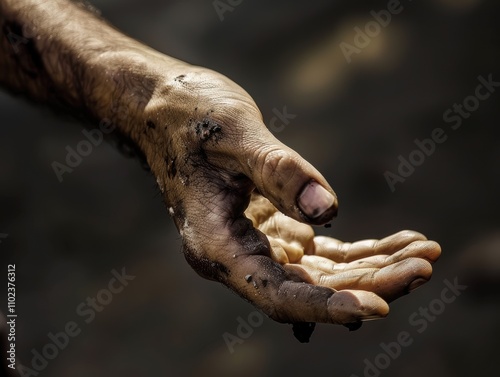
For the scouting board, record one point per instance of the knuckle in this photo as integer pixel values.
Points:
(273, 160)
(277, 164)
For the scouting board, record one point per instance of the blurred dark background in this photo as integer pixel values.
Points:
(352, 122)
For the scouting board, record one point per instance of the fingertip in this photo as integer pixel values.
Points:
(411, 235)
(429, 251)
(403, 277)
(420, 268)
(316, 203)
(291, 183)
(416, 283)
(434, 251)
(374, 306)
(349, 306)
(278, 253)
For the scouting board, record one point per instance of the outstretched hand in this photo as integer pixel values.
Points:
(243, 202)
(366, 274)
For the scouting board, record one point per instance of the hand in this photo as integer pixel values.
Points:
(204, 139)
(213, 157)
(367, 273)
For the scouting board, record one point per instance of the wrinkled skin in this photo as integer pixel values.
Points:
(241, 200)
(371, 270)
(235, 193)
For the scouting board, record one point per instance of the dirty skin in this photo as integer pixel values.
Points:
(244, 203)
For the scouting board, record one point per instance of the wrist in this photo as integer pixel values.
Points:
(137, 91)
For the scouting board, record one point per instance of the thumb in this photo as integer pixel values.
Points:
(291, 183)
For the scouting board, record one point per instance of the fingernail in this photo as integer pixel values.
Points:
(416, 283)
(315, 200)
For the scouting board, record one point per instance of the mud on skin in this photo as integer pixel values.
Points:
(205, 142)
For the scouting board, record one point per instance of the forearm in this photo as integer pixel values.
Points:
(58, 52)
